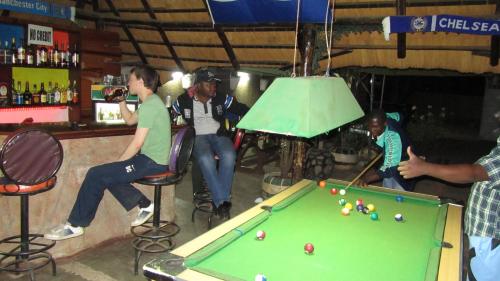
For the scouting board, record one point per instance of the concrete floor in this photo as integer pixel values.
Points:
(114, 260)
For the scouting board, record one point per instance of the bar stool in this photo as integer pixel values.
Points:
(155, 235)
(29, 160)
(202, 198)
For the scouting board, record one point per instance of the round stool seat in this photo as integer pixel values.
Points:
(165, 178)
(12, 189)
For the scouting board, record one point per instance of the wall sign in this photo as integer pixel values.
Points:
(40, 35)
(38, 7)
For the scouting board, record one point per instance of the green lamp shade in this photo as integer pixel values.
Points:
(302, 107)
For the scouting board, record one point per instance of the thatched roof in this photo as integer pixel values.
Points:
(179, 35)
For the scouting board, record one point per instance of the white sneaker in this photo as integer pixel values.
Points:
(65, 231)
(258, 200)
(144, 215)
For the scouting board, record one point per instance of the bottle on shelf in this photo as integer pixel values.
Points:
(30, 55)
(69, 93)
(27, 96)
(75, 98)
(44, 56)
(19, 97)
(35, 95)
(21, 53)
(55, 56)
(6, 53)
(4, 91)
(62, 56)
(13, 93)
(13, 51)
(50, 94)
(68, 57)
(64, 97)
(75, 57)
(43, 94)
(57, 94)
(2, 53)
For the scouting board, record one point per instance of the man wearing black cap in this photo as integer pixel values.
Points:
(205, 109)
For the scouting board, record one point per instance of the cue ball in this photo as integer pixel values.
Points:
(260, 277)
(322, 183)
(342, 192)
(374, 216)
(348, 206)
(371, 207)
(359, 202)
(342, 202)
(261, 235)
(345, 211)
(308, 248)
(398, 217)
(399, 198)
(333, 191)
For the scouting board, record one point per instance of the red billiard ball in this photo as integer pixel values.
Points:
(261, 235)
(359, 202)
(322, 183)
(333, 191)
(309, 248)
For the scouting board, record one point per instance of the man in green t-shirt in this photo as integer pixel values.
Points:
(146, 154)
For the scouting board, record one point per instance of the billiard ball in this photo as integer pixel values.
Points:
(374, 216)
(342, 192)
(260, 277)
(309, 248)
(345, 211)
(398, 217)
(399, 198)
(365, 210)
(342, 202)
(359, 202)
(360, 208)
(333, 191)
(371, 207)
(322, 183)
(348, 206)
(261, 235)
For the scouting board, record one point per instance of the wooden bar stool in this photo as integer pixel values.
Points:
(155, 235)
(29, 160)
(202, 198)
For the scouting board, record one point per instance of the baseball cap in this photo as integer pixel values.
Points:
(205, 75)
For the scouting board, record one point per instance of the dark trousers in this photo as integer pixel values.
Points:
(117, 178)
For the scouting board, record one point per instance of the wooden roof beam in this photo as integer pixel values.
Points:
(401, 11)
(128, 33)
(156, 10)
(163, 36)
(204, 45)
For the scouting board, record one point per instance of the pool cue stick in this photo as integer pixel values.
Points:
(365, 169)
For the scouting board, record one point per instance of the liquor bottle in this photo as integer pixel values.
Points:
(64, 97)
(30, 55)
(68, 57)
(19, 98)
(55, 56)
(43, 94)
(6, 53)
(35, 95)
(27, 96)
(62, 54)
(69, 93)
(2, 53)
(74, 100)
(50, 94)
(57, 94)
(4, 98)
(13, 93)
(13, 51)
(44, 56)
(75, 57)
(21, 53)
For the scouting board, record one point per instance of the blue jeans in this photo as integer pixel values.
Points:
(219, 180)
(117, 178)
(391, 183)
(485, 265)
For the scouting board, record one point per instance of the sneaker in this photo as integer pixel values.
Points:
(64, 232)
(144, 215)
(224, 209)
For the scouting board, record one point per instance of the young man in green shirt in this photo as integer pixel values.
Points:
(146, 154)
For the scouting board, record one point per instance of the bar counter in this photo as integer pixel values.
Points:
(83, 147)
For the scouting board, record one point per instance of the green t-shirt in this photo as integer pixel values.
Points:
(153, 114)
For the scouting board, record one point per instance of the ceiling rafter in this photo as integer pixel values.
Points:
(204, 45)
(156, 10)
(164, 37)
(128, 33)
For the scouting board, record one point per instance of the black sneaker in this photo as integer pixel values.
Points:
(225, 208)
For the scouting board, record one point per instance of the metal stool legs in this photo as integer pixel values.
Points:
(154, 236)
(29, 253)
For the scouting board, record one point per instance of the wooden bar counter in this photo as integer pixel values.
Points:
(84, 147)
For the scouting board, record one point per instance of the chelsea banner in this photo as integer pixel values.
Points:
(440, 23)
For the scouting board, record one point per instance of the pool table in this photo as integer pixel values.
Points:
(425, 245)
